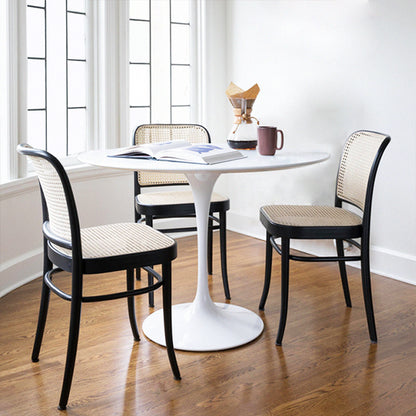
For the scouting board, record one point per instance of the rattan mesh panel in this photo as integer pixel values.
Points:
(157, 133)
(55, 197)
(357, 159)
(310, 216)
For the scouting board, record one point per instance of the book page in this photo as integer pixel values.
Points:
(149, 150)
(200, 153)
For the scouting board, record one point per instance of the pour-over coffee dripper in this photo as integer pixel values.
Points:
(243, 134)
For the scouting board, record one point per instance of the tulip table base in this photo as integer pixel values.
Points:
(204, 325)
(216, 327)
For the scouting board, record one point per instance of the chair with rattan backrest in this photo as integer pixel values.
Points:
(93, 250)
(355, 183)
(150, 206)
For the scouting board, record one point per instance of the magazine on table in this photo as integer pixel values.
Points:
(181, 151)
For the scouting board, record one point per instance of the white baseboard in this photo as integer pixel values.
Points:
(20, 270)
(393, 264)
(385, 262)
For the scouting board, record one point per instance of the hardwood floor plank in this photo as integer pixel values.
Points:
(326, 366)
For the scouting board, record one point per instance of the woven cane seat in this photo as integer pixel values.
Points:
(173, 198)
(309, 218)
(119, 239)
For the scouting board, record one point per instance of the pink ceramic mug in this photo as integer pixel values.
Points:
(267, 140)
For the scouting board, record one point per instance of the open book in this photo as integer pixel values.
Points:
(181, 151)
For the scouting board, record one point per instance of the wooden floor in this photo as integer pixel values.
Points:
(326, 366)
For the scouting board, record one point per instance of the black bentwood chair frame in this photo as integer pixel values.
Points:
(355, 183)
(150, 206)
(99, 249)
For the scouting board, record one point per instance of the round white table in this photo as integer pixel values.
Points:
(204, 325)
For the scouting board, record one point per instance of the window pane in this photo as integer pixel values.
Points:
(56, 122)
(76, 5)
(36, 129)
(77, 84)
(180, 11)
(139, 9)
(77, 127)
(139, 85)
(76, 36)
(139, 42)
(180, 85)
(180, 44)
(35, 32)
(40, 3)
(181, 115)
(35, 83)
(138, 116)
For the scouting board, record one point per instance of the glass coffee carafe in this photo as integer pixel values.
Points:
(243, 134)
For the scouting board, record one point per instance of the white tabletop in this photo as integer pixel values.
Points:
(252, 163)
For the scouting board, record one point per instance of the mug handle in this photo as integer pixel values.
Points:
(281, 139)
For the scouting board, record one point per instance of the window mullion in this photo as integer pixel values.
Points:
(197, 55)
(66, 80)
(123, 73)
(17, 75)
(92, 53)
(112, 76)
(170, 61)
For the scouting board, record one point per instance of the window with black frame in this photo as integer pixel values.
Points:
(60, 93)
(159, 62)
(56, 75)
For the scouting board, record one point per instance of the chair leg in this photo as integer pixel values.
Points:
(43, 309)
(209, 244)
(43, 312)
(151, 294)
(138, 274)
(284, 290)
(268, 272)
(72, 348)
(223, 250)
(366, 282)
(137, 218)
(149, 222)
(343, 273)
(130, 304)
(167, 318)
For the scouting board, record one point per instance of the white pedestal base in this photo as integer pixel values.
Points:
(219, 327)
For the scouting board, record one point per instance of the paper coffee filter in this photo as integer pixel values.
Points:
(235, 94)
(233, 91)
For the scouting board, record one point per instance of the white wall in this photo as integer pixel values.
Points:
(325, 69)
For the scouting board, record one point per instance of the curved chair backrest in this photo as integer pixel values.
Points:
(157, 133)
(58, 201)
(358, 167)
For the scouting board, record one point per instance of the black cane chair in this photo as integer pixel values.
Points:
(355, 183)
(99, 249)
(151, 206)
